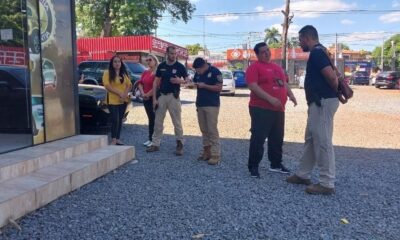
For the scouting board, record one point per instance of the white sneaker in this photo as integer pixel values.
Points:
(147, 143)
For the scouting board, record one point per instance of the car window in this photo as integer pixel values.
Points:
(102, 66)
(11, 80)
(87, 67)
(226, 75)
(360, 74)
(239, 74)
(135, 67)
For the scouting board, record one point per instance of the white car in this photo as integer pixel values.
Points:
(301, 79)
(228, 86)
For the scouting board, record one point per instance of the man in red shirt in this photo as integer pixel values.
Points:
(269, 92)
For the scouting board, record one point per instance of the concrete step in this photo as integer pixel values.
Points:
(24, 194)
(25, 161)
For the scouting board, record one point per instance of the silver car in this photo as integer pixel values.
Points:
(228, 86)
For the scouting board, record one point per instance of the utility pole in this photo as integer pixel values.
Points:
(204, 36)
(336, 50)
(383, 43)
(394, 56)
(285, 26)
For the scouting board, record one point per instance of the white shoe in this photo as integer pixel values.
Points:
(148, 143)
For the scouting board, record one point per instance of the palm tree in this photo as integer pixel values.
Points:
(272, 35)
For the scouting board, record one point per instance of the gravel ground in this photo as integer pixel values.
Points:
(168, 197)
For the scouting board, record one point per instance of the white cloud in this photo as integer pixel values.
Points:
(390, 17)
(307, 8)
(223, 18)
(395, 4)
(347, 22)
(361, 37)
(259, 8)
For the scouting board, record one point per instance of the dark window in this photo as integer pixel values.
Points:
(135, 67)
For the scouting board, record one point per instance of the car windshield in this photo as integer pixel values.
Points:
(135, 67)
(226, 75)
(385, 74)
(239, 74)
(361, 74)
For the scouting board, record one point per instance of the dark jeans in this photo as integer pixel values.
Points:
(117, 114)
(148, 106)
(266, 124)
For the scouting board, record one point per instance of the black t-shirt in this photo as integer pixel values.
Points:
(207, 98)
(165, 72)
(315, 84)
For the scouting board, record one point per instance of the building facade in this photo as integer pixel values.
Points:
(38, 90)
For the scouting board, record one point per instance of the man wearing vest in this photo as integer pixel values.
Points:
(208, 80)
(321, 84)
(166, 88)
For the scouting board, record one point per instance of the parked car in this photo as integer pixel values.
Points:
(301, 80)
(360, 77)
(93, 109)
(93, 71)
(239, 76)
(228, 85)
(14, 103)
(389, 79)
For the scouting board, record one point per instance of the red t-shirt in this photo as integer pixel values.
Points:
(147, 80)
(271, 78)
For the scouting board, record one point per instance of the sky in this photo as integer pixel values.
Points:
(232, 23)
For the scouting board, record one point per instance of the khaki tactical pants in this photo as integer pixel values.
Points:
(318, 147)
(208, 122)
(173, 105)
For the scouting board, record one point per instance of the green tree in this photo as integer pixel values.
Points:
(388, 52)
(127, 17)
(11, 17)
(194, 49)
(272, 36)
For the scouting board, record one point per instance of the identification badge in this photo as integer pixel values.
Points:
(209, 75)
(174, 71)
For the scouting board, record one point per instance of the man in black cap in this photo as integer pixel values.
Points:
(208, 80)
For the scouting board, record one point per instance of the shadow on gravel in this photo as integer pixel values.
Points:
(168, 197)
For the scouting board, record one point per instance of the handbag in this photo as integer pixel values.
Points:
(344, 91)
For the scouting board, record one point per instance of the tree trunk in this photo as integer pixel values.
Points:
(107, 26)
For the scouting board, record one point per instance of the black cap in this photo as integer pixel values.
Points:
(198, 62)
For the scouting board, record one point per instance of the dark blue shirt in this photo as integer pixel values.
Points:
(315, 84)
(166, 72)
(207, 98)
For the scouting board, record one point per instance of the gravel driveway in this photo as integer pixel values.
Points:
(168, 197)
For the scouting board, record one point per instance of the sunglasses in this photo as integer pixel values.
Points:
(149, 60)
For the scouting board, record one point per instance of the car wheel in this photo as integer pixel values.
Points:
(376, 86)
(232, 94)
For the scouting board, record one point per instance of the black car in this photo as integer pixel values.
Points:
(14, 100)
(389, 79)
(93, 109)
(360, 78)
(93, 71)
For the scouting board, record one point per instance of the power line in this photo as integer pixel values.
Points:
(274, 12)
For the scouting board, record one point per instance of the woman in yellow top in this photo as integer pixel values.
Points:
(118, 84)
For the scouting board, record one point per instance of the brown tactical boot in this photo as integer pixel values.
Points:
(214, 160)
(298, 180)
(179, 148)
(205, 154)
(319, 189)
(152, 148)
